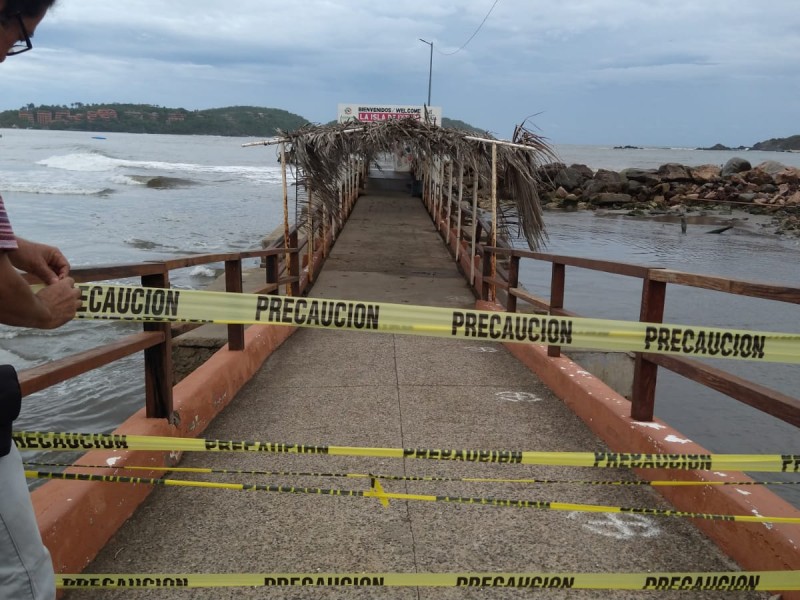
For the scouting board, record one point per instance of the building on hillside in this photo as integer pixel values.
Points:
(175, 117)
(44, 117)
(61, 115)
(25, 115)
(106, 113)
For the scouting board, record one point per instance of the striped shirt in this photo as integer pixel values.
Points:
(8, 240)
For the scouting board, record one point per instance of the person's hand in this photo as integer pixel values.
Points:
(46, 262)
(61, 300)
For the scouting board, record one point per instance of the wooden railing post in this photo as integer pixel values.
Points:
(557, 285)
(272, 271)
(645, 372)
(486, 270)
(233, 283)
(158, 361)
(294, 264)
(513, 282)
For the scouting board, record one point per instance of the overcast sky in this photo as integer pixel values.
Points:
(638, 72)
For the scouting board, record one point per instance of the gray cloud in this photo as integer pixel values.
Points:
(595, 71)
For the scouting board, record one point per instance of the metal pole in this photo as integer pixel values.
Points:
(430, 69)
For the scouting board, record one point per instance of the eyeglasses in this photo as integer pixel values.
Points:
(22, 45)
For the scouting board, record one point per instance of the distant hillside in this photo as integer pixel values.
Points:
(779, 144)
(456, 124)
(147, 118)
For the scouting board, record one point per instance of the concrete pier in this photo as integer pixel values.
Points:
(396, 391)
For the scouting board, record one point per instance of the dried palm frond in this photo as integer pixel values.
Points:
(320, 151)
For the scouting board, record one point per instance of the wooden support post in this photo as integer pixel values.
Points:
(158, 361)
(346, 187)
(439, 196)
(476, 181)
(645, 373)
(449, 199)
(458, 217)
(486, 270)
(493, 240)
(325, 229)
(513, 282)
(272, 274)
(285, 208)
(293, 289)
(557, 286)
(311, 236)
(233, 283)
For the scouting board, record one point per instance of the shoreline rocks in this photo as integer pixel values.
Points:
(769, 188)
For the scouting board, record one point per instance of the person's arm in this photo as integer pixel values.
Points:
(50, 307)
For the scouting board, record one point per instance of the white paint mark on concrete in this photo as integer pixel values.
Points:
(487, 349)
(677, 440)
(618, 526)
(655, 426)
(518, 396)
(721, 474)
(112, 461)
(743, 492)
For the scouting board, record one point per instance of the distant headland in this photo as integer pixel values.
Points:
(245, 121)
(787, 144)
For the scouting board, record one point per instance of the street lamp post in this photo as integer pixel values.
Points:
(430, 69)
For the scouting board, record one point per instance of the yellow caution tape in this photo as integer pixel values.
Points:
(26, 440)
(712, 581)
(384, 497)
(170, 305)
(425, 478)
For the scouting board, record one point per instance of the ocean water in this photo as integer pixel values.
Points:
(133, 198)
(125, 199)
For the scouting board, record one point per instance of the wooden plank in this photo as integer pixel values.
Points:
(617, 268)
(770, 401)
(105, 272)
(53, 372)
(731, 286)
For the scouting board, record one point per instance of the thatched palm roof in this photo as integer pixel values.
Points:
(322, 150)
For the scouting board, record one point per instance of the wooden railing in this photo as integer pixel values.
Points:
(502, 284)
(289, 267)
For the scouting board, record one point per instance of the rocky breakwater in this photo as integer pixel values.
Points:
(769, 188)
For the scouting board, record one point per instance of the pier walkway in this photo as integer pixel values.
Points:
(380, 390)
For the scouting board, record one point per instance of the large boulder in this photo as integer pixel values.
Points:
(583, 170)
(549, 172)
(735, 165)
(757, 176)
(771, 166)
(604, 181)
(789, 175)
(705, 174)
(645, 176)
(673, 172)
(570, 178)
